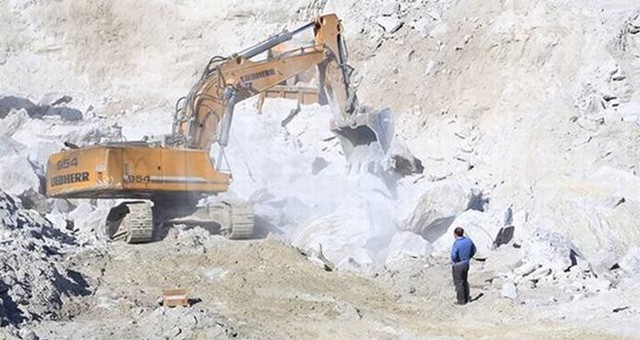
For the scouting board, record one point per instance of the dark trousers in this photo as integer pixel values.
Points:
(460, 272)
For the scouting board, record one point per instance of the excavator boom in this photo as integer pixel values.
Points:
(233, 81)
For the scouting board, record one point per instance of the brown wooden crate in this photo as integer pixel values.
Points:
(175, 297)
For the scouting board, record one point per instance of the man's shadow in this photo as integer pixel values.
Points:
(477, 297)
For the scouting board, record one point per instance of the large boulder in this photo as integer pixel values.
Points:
(550, 250)
(24, 136)
(17, 175)
(596, 212)
(478, 226)
(407, 243)
(12, 121)
(9, 147)
(66, 113)
(402, 161)
(357, 235)
(9, 103)
(89, 221)
(440, 205)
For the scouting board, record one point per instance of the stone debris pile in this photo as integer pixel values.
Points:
(34, 282)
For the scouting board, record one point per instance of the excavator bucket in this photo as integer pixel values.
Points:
(367, 139)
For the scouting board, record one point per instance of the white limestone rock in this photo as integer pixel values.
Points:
(17, 175)
(538, 274)
(478, 226)
(597, 285)
(548, 249)
(13, 121)
(509, 291)
(390, 24)
(630, 263)
(407, 243)
(389, 8)
(89, 222)
(439, 206)
(526, 269)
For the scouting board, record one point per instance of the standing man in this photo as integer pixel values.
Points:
(461, 253)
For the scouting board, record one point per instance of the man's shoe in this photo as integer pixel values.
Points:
(459, 303)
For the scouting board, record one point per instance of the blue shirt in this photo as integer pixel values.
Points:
(463, 250)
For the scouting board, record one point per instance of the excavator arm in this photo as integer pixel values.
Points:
(233, 81)
(204, 116)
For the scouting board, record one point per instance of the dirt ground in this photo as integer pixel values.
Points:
(265, 289)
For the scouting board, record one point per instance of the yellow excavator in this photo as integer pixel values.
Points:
(156, 177)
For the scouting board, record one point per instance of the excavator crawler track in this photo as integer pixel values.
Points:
(242, 221)
(132, 222)
(229, 218)
(139, 223)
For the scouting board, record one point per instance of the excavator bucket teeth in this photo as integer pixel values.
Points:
(368, 138)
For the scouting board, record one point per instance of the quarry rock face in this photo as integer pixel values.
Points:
(515, 121)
